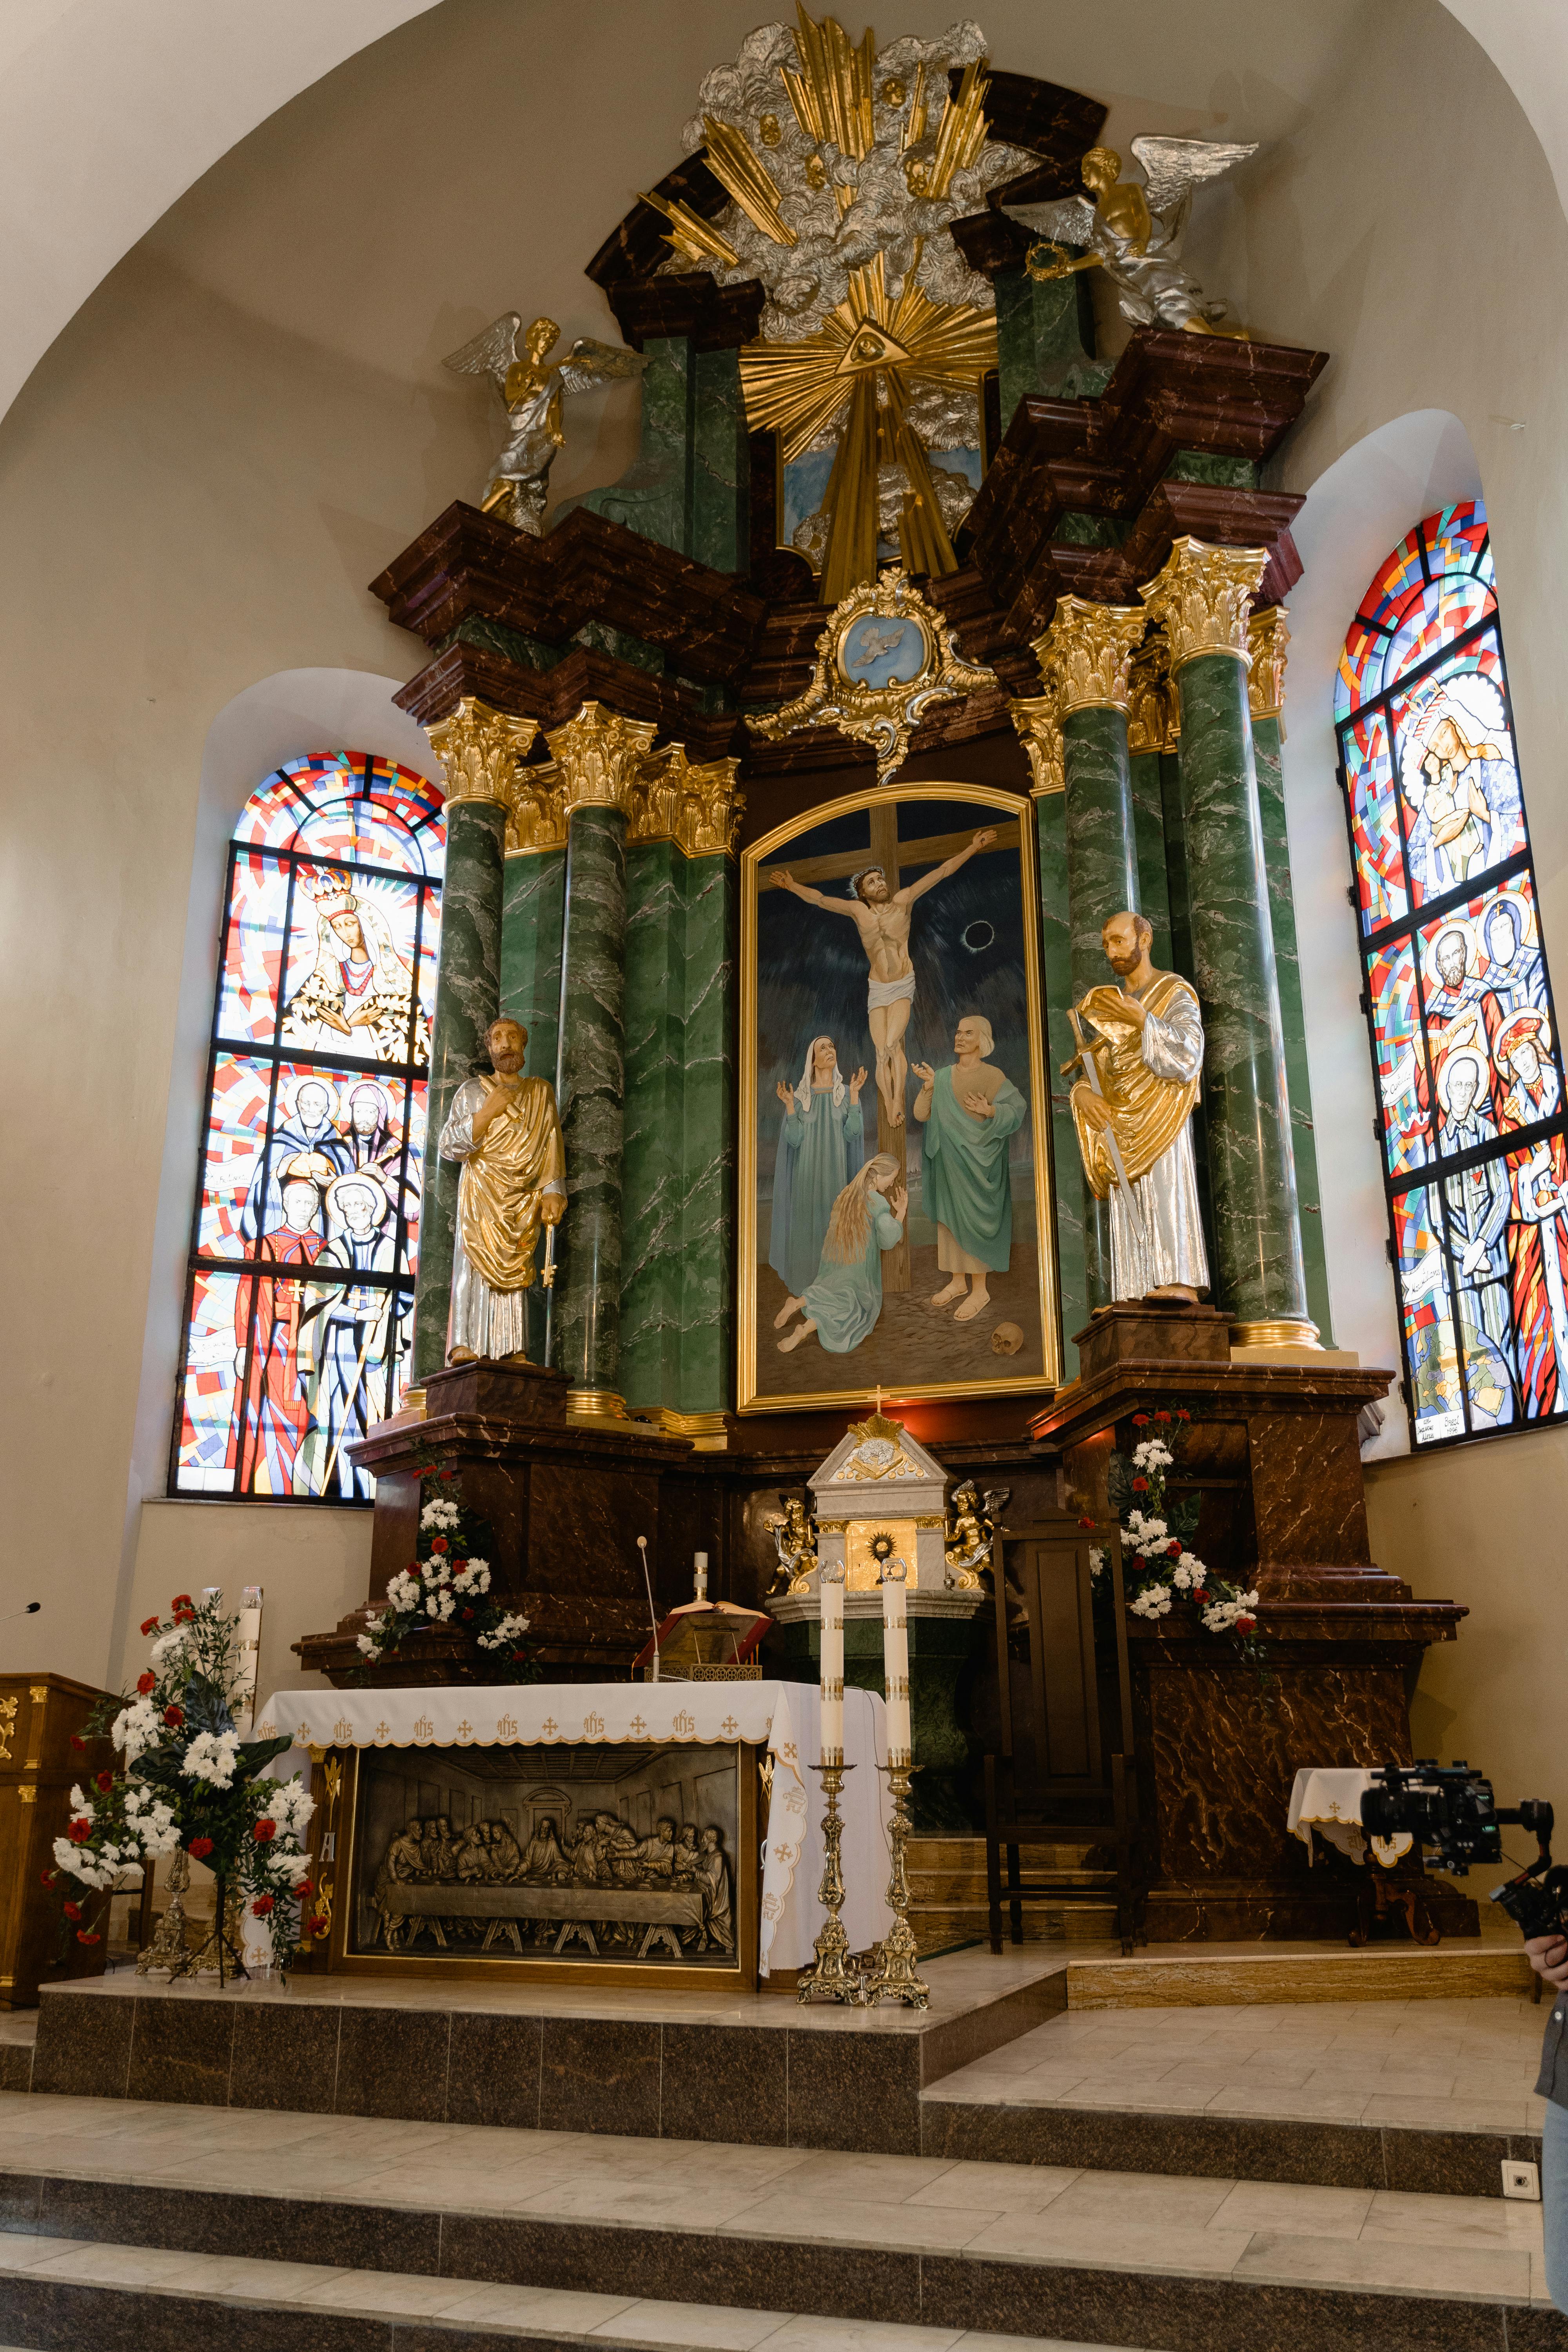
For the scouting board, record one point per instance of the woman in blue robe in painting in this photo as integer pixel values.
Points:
(821, 1145)
(844, 1301)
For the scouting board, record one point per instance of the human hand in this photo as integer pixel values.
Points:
(1472, 1257)
(1092, 1108)
(1548, 1956)
(1130, 1009)
(899, 1201)
(783, 879)
(924, 1072)
(334, 1020)
(979, 1107)
(983, 840)
(787, 1096)
(363, 1018)
(856, 1083)
(551, 1208)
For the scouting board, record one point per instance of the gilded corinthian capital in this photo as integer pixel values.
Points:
(597, 756)
(480, 749)
(1268, 637)
(1039, 730)
(697, 808)
(1088, 650)
(1203, 597)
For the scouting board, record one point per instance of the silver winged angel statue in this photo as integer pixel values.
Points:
(1134, 232)
(531, 386)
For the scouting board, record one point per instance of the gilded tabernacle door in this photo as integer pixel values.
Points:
(896, 1205)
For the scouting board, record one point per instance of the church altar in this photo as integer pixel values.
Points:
(541, 1749)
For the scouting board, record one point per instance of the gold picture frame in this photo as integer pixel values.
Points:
(1010, 811)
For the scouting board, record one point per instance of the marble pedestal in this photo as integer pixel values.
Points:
(944, 1640)
(1273, 1456)
(565, 1503)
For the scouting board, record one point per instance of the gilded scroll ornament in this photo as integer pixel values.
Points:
(1267, 636)
(1133, 232)
(598, 755)
(885, 656)
(1088, 650)
(697, 808)
(1039, 727)
(1203, 596)
(480, 749)
(533, 387)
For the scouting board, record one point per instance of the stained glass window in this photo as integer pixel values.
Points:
(1459, 1004)
(305, 1238)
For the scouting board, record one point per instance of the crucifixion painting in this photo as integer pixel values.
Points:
(877, 1254)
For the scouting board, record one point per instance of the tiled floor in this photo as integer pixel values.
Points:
(600, 2320)
(1258, 2233)
(1451, 2065)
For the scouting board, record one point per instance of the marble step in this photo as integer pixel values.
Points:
(1211, 2264)
(70, 2294)
(939, 1924)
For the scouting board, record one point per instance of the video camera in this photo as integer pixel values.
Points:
(1449, 1810)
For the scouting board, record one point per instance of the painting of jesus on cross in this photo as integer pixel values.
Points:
(899, 1231)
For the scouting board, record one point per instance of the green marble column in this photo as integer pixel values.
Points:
(1259, 1274)
(652, 1160)
(1102, 879)
(690, 485)
(589, 1086)
(1153, 875)
(1267, 753)
(532, 915)
(467, 998)
(1056, 977)
(708, 1149)
(719, 530)
(1045, 339)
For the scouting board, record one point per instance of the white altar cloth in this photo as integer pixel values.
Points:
(1327, 1799)
(784, 1718)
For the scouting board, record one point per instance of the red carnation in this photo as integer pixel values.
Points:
(520, 1653)
(1182, 1413)
(1202, 1599)
(1140, 1485)
(440, 1544)
(88, 1935)
(1245, 1624)
(72, 1910)
(105, 1781)
(1139, 1421)
(1174, 1549)
(144, 1682)
(80, 1831)
(50, 1878)
(305, 1887)
(201, 1848)
(173, 1716)
(149, 1624)
(320, 1926)
(184, 1616)
(262, 1907)
(264, 1831)
(465, 1614)
(79, 1744)
(1162, 1416)
(1086, 1523)
(446, 1474)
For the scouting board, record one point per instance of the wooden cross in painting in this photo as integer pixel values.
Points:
(894, 856)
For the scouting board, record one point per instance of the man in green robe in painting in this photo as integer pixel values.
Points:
(969, 1112)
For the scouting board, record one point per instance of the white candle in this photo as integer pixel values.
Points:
(699, 1574)
(830, 1591)
(896, 1660)
(250, 1656)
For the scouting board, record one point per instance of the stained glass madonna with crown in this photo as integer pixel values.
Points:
(1465, 1048)
(305, 1238)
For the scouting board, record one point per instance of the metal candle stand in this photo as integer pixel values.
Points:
(828, 1975)
(894, 1977)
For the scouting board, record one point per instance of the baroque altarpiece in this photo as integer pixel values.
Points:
(792, 782)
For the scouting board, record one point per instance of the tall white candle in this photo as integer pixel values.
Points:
(896, 1659)
(830, 1591)
(250, 1656)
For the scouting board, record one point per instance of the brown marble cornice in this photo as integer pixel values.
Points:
(1089, 1406)
(585, 569)
(713, 318)
(554, 696)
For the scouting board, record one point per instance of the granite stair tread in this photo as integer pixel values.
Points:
(242, 2287)
(931, 2238)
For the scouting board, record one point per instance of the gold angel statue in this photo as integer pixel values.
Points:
(1134, 232)
(531, 385)
(794, 1541)
(967, 1543)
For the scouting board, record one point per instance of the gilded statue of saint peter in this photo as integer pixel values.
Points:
(506, 1131)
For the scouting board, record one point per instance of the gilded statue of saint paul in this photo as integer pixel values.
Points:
(506, 1131)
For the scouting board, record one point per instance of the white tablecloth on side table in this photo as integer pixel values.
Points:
(784, 1718)
(1328, 1800)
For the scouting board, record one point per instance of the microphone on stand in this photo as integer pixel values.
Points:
(31, 1609)
(652, 1613)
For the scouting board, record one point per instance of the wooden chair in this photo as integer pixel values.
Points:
(1075, 1773)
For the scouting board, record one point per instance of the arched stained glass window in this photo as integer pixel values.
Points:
(305, 1241)
(1464, 1040)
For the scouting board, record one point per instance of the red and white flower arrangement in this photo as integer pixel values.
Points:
(187, 1779)
(1157, 1565)
(447, 1584)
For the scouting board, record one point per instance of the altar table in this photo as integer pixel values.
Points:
(782, 1717)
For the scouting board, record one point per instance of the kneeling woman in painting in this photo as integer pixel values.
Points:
(843, 1304)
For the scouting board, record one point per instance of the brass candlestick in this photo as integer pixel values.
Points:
(894, 1978)
(827, 1974)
